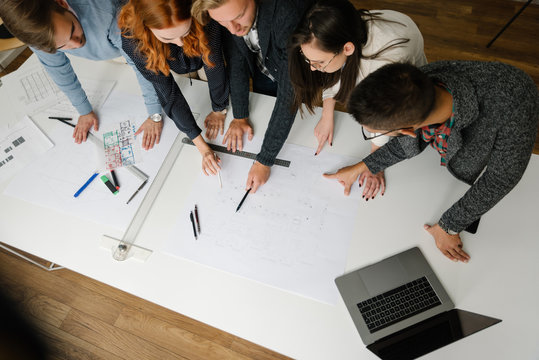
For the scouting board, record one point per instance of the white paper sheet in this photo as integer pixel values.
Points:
(53, 178)
(19, 145)
(292, 234)
(38, 93)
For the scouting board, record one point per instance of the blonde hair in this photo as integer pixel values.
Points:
(138, 16)
(200, 8)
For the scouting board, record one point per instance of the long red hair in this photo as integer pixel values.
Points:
(138, 16)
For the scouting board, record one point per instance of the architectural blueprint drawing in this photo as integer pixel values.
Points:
(121, 147)
(19, 145)
(293, 233)
(36, 90)
(54, 177)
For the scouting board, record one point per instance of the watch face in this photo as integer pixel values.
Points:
(156, 117)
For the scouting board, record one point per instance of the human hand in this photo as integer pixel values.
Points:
(449, 245)
(324, 131)
(84, 124)
(210, 163)
(152, 133)
(348, 175)
(214, 123)
(372, 183)
(258, 175)
(234, 135)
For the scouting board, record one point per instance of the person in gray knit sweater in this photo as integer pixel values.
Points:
(481, 117)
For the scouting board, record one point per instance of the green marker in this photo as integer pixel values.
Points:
(107, 182)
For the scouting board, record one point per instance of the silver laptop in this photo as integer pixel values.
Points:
(401, 310)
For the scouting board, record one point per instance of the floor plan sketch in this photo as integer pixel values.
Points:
(293, 233)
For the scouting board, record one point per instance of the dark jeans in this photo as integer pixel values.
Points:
(263, 84)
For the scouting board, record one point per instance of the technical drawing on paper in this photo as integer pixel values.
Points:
(293, 233)
(38, 86)
(19, 145)
(121, 147)
(38, 92)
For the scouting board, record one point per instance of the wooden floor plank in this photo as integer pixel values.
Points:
(170, 336)
(151, 309)
(113, 339)
(65, 346)
(61, 290)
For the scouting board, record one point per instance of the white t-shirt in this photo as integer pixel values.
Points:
(380, 35)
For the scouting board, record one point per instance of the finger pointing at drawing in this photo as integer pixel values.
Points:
(348, 175)
(258, 175)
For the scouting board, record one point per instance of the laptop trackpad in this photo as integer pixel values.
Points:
(385, 275)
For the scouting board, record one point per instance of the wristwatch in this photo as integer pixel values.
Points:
(446, 229)
(156, 118)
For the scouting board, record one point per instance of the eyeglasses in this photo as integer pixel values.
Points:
(378, 135)
(317, 65)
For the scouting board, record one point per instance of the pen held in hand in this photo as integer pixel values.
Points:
(218, 172)
(243, 199)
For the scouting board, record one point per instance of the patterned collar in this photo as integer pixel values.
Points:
(437, 135)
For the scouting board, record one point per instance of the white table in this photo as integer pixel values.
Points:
(499, 281)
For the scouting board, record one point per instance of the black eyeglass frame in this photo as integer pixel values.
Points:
(315, 65)
(385, 133)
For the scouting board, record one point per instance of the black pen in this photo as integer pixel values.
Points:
(193, 223)
(242, 200)
(60, 118)
(196, 218)
(64, 121)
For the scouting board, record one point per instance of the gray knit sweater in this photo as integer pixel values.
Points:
(496, 110)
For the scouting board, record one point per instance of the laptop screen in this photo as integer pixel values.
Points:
(430, 334)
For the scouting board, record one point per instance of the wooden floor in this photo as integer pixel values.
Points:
(83, 319)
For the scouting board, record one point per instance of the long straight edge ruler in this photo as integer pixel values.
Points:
(125, 248)
(244, 154)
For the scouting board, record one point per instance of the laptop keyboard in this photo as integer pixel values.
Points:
(398, 304)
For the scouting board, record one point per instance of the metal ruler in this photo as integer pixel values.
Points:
(244, 154)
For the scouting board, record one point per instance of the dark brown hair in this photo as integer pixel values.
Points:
(395, 96)
(31, 21)
(331, 23)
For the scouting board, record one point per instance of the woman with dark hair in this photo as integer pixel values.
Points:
(160, 36)
(334, 47)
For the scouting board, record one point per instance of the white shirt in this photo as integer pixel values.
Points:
(380, 35)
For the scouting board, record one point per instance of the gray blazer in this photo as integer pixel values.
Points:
(496, 110)
(277, 19)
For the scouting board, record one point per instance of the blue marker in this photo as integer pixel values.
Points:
(86, 184)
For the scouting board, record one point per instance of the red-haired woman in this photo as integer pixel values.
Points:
(159, 36)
